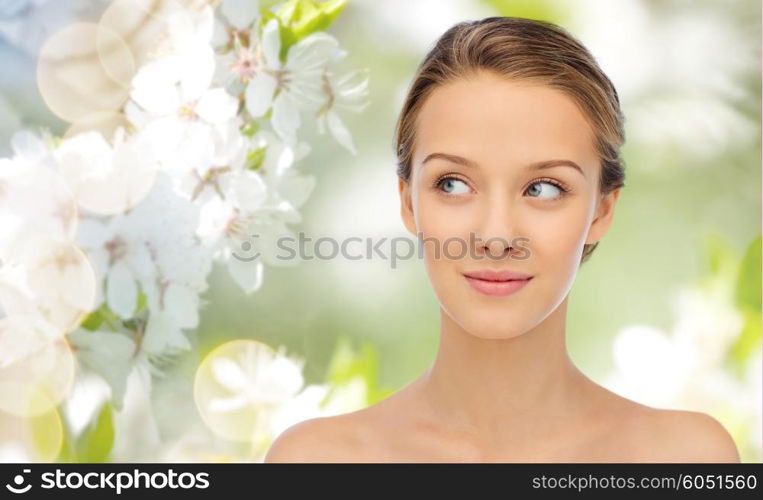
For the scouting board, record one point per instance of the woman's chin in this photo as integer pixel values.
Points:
(493, 334)
(490, 330)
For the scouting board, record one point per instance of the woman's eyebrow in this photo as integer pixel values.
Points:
(451, 158)
(540, 165)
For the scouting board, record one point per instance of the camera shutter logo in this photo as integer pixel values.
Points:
(18, 481)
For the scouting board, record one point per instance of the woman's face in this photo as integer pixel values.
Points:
(483, 197)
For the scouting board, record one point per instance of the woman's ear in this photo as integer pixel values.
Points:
(406, 206)
(603, 217)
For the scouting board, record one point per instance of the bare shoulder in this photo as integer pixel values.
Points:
(681, 436)
(362, 435)
(636, 432)
(321, 439)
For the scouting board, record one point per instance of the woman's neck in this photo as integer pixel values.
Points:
(504, 387)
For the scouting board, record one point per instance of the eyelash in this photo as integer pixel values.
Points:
(565, 190)
(438, 183)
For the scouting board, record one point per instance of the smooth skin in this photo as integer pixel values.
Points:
(502, 387)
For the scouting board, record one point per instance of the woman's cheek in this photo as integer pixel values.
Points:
(557, 241)
(445, 230)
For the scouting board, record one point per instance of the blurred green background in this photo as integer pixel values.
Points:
(689, 77)
(680, 189)
(688, 73)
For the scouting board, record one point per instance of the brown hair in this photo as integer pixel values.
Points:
(520, 49)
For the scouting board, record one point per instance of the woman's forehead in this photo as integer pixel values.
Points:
(491, 115)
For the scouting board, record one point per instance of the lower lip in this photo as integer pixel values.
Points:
(497, 288)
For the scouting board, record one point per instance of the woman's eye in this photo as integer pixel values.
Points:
(542, 189)
(451, 185)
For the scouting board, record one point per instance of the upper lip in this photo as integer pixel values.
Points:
(489, 275)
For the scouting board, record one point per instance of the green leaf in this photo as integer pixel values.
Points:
(250, 128)
(748, 289)
(95, 319)
(92, 321)
(720, 257)
(347, 364)
(47, 430)
(255, 158)
(747, 298)
(545, 10)
(267, 4)
(67, 453)
(141, 303)
(748, 342)
(291, 10)
(95, 442)
(317, 16)
(300, 18)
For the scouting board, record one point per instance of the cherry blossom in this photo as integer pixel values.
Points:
(293, 85)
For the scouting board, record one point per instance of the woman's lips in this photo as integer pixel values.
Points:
(497, 283)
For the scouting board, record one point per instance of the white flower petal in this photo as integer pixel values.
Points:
(196, 72)
(339, 131)
(223, 405)
(109, 354)
(285, 118)
(229, 374)
(162, 335)
(92, 233)
(241, 13)
(250, 190)
(283, 377)
(307, 90)
(204, 24)
(195, 147)
(320, 121)
(181, 304)
(271, 44)
(153, 87)
(259, 94)
(122, 290)
(27, 144)
(219, 34)
(248, 275)
(139, 258)
(217, 106)
(295, 188)
(312, 52)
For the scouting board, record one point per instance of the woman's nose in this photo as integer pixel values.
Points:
(496, 246)
(497, 229)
